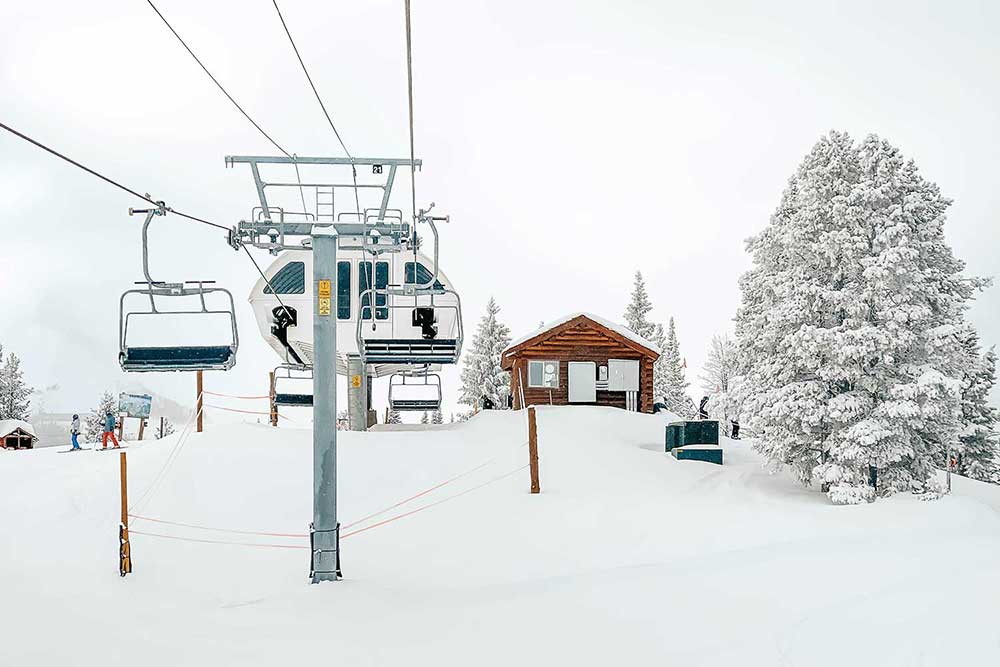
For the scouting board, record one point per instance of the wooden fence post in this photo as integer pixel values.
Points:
(199, 405)
(161, 427)
(270, 394)
(533, 450)
(125, 549)
(142, 427)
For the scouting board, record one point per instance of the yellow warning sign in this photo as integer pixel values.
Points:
(324, 305)
(324, 289)
(355, 381)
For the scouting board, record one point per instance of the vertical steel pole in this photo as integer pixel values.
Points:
(325, 559)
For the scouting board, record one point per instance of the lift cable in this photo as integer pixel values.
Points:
(104, 178)
(413, 169)
(231, 99)
(143, 197)
(354, 171)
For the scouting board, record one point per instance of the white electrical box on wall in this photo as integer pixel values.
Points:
(623, 375)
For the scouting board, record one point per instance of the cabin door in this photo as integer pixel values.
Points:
(582, 382)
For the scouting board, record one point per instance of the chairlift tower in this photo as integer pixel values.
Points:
(374, 231)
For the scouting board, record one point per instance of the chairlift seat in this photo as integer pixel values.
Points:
(415, 405)
(412, 351)
(294, 400)
(199, 357)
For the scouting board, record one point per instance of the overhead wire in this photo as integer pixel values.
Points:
(305, 70)
(233, 100)
(107, 179)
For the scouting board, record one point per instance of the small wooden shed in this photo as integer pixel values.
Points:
(581, 359)
(17, 434)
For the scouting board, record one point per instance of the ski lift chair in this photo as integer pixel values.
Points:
(152, 358)
(284, 373)
(429, 348)
(428, 400)
(142, 358)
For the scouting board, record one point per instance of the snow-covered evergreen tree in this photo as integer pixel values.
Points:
(639, 306)
(848, 321)
(393, 417)
(14, 392)
(95, 420)
(721, 366)
(437, 417)
(979, 452)
(425, 418)
(168, 428)
(481, 375)
(674, 383)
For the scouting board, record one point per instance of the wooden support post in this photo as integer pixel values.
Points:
(200, 405)
(270, 394)
(161, 427)
(125, 549)
(142, 427)
(533, 450)
(121, 428)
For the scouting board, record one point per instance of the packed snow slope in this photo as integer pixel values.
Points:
(627, 557)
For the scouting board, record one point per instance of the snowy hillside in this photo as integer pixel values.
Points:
(628, 557)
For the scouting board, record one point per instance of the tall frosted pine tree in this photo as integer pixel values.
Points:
(15, 394)
(674, 380)
(639, 306)
(979, 451)
(481, 374)
(849, 321)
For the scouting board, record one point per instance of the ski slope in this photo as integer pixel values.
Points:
(626, 557)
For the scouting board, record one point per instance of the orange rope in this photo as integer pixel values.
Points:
(245, 398)
(218, 530)
(430, 505)
(418, 495)
(237, 544)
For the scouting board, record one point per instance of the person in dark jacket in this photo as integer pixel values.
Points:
(736, 429)
(488, 403)
(703, 408)
(74, 430)
(109, 431)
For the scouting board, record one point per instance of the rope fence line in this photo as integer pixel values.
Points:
(204, 541)
(298, 535)
(435, 503)
(175, 450)
(245, 398)
(248, 412)
(218, 530)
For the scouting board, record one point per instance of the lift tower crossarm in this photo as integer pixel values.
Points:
(362, 161)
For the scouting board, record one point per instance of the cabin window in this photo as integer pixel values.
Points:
(291, 279)
(343, 290)
(381, 282)
(543, 374)
(418, 274)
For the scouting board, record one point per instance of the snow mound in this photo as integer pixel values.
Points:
(625, 551)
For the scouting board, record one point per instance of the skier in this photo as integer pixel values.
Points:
(74, 431)
(109, 431)
(703, 408)
(736, 429)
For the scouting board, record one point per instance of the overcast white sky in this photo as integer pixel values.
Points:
(571, 142)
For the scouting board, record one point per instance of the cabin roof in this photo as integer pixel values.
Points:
(8, 426)
(560, 324)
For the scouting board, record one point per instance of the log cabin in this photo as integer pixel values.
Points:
(581, 359)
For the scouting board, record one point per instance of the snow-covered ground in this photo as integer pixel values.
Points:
(628, 557)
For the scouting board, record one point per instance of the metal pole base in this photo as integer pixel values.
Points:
(324, 547)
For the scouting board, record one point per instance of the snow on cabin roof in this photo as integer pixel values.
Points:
(619, 329)
(8, 426)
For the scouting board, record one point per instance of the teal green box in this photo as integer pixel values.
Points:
(707, 453)
(697, 432)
